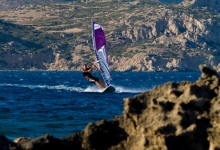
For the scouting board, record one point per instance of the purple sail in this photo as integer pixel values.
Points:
(99, 44)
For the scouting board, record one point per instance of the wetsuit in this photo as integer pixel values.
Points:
(89, 76)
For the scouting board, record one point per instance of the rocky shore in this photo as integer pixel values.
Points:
(172, 116)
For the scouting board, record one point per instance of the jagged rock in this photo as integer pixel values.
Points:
(172, 116)
(59, 64)
(6, 144)
(40, 143)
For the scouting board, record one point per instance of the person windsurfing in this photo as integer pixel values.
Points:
(86, 73)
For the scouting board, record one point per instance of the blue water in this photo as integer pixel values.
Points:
(62, 103)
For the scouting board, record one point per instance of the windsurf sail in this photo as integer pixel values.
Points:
(99, 45)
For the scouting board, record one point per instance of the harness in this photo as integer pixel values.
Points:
(89, 76)
(85, 73)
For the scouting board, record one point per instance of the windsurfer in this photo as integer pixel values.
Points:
(86, 73)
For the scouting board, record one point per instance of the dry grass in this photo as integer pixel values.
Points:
(74, 30)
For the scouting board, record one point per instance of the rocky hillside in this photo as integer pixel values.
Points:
(213, 5)
(141, 35)
(183, 116)
(10, 4)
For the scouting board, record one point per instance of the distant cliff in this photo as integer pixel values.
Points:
(141, 36)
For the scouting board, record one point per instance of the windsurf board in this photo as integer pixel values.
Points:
(109, 89)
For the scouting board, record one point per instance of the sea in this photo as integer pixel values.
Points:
(61, 103)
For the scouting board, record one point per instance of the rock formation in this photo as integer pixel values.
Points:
(146, 62)
(33, 61)
(172, 116)
(212, 4)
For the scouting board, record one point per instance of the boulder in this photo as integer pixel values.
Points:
(6, 144)
(183, 115)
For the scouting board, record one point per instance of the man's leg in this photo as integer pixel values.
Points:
(100, 84)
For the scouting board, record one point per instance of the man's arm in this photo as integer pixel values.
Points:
(91, 68)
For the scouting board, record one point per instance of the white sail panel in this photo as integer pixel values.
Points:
(103, 65)
(99, 44)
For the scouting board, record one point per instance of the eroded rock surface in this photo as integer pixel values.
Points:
(172, 116)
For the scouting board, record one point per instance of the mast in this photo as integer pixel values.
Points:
(93, 39)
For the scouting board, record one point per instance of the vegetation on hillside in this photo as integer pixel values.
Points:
(48, 29)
